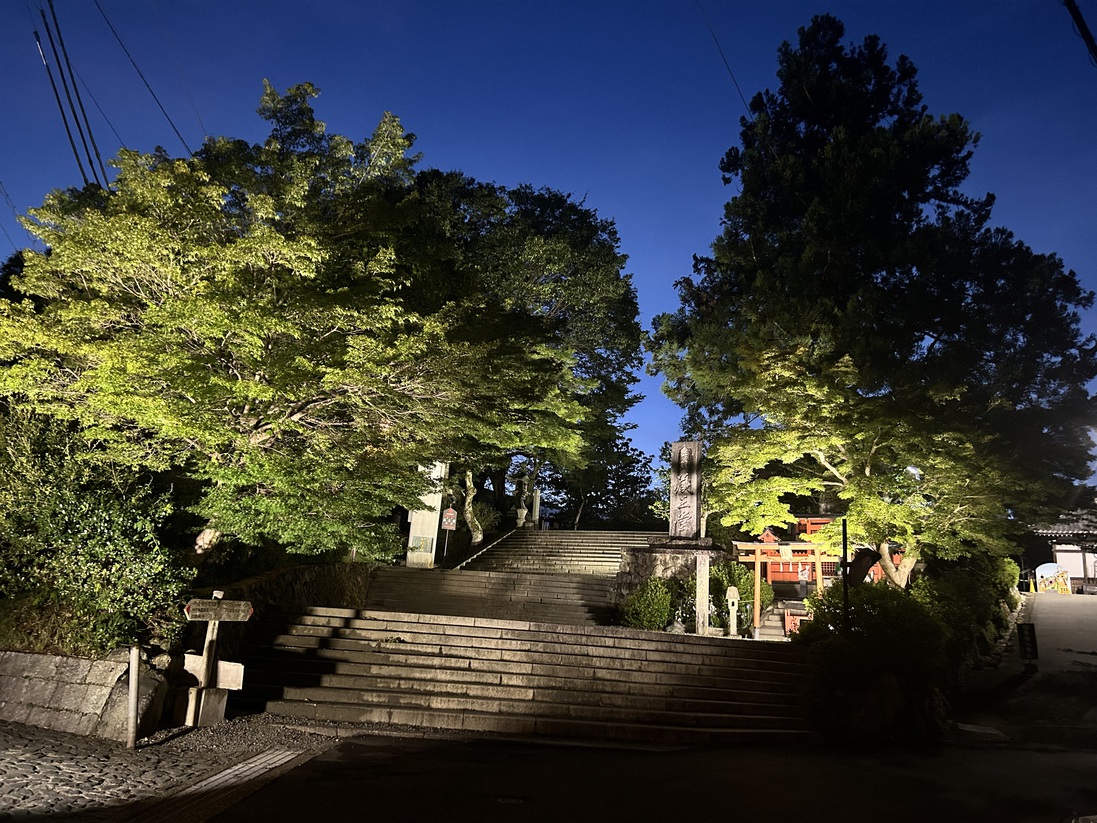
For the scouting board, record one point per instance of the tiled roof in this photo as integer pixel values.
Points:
(1080, 523)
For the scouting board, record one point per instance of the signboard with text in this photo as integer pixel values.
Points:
(231, 610)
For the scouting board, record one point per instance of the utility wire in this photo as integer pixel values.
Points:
(68, 96)
(14, 211)
(727, 65)
(60, 107)
(76, 91)
(102, 113)
(179, 70)
(1082, 29)
(142, 76)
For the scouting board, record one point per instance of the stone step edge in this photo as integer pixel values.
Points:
(580, 656)
(462, 635)
(530, 625)
(508, 707)
(527, 724)
(519, 695)
(645, 684)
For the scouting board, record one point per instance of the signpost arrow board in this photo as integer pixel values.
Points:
(235, 611)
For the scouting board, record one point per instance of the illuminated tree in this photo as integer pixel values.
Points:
(861, 336)
(298, 324)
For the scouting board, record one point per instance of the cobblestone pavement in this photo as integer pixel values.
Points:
(47, 774)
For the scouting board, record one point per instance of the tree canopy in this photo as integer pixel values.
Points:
(298, 324)
(861, 337)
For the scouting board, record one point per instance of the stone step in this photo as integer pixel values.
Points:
(436, 665)
(308, 671)
(541, 726)
(542, 706)
(443, 629)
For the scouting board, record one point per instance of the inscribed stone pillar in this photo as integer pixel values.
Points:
(423, 534)
(536, 514)
(685, 490)
(702, 593)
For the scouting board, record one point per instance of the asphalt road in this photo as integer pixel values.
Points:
(1039, 765)
(383, 779)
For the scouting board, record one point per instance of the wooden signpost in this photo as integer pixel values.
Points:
(206, 701)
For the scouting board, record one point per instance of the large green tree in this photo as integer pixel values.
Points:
(299, 323)
(861, 336)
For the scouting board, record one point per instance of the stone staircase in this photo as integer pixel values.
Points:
(541, 680)
(557, 552)
(547, 598)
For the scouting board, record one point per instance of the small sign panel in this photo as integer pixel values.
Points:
(449, 519)
(236, 611)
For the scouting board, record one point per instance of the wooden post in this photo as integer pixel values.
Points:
(757, 592)
(135, 659)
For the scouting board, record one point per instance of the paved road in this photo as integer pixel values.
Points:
(1066, 632)
(385, 781)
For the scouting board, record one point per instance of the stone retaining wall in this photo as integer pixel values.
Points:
(76, 695)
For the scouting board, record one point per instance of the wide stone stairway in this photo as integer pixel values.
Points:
(532, 679)
(522, 652)
(557, 552)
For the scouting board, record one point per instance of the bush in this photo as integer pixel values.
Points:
(649, 607)
(882, 678)
(722, 574)
(80, 545)
(971, 599)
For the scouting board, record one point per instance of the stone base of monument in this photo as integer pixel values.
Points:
(670, 557)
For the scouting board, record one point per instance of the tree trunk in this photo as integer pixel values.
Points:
(578, 513)
(475, 529)
(897, 576)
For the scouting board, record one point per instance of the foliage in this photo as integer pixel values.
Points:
(971, 598)
(83, 543)
(649, 607)
(297, 324)
(613, 489)
(881, 679)
(488, 516)
(862, 338)
(722, 574)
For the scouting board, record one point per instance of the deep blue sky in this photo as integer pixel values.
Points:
(627, 104)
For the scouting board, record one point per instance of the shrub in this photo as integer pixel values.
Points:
(722, 574)
(881, 678)
(80, 543)
(649, 607)
(971, 598)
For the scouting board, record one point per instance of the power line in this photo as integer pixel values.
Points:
(79, 100)
(11, 205)
(68, 97)
(142, 76)
(727, 65)
(60, 107)
(1082, 29)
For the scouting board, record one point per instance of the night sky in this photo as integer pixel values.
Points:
(626, 104)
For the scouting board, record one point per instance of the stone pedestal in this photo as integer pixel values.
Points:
(671, 558)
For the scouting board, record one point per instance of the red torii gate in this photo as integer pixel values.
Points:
(759, 553)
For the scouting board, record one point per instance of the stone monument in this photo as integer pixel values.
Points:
(685, 491)
(423, 531)
(683, 550)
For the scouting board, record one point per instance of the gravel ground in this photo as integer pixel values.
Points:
(83, 778)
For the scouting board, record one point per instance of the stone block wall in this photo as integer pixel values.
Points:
(75, 695)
